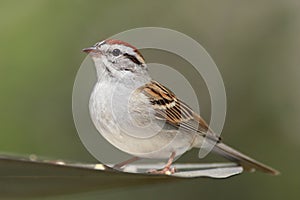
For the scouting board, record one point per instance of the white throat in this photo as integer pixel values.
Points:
(127, 79)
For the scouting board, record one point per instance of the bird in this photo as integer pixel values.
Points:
(145, 119)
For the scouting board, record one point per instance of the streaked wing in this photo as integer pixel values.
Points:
(176, 113)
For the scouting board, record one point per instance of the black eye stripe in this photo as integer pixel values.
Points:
(132, 58)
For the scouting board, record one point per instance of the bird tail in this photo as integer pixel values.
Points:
(246, 162)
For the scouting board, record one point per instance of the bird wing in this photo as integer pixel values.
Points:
(174, 111)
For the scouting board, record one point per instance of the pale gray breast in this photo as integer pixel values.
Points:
(126, 118)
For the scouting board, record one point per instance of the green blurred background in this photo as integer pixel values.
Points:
(255, 44)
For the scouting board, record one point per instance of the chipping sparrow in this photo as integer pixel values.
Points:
(142, 117)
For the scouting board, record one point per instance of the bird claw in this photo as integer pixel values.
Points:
(165, 171)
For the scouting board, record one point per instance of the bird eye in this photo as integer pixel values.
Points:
(116, 52)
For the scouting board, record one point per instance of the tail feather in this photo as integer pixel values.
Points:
(246, 162)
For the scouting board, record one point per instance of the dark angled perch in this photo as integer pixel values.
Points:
(31, 176)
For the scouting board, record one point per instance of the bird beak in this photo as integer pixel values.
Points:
(90, 49)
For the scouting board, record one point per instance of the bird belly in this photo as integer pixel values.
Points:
(146, 138)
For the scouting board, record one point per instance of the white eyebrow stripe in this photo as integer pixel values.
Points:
(101, 43)
(124, 49)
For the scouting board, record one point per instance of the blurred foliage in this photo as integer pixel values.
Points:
(255, 44)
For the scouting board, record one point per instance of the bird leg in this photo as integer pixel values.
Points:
(126, 162)
(167, 169)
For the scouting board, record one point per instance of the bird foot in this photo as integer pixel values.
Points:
(166, 171)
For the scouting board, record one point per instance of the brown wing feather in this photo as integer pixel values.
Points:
(175, 111)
